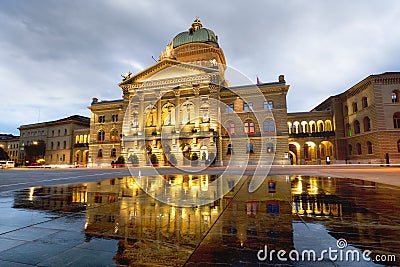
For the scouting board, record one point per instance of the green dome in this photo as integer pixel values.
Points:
(202, 35)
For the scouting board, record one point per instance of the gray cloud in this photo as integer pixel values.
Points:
(56, 55)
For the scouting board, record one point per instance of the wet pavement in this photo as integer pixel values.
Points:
(114, 223)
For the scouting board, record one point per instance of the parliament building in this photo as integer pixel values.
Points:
(183, 109)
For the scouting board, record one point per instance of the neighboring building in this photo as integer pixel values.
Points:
(311, 137)
(183, 106)
(105, 131)
(50, 142)
(81, 146)
(366, 120)
(10, 144)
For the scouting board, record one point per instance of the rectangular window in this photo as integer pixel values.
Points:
(229, 108)
(268, 105)
(102, 119)
(355, 108)
(114, 118)
(364, 102)
(247, 107)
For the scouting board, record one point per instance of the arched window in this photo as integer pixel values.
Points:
(270, 148)
(349, 132)
(249, 148)
(100, 136)
(230, 128)
(269, 126)
(355, 107)
(359, 150)
(367, 124)
(65, 144)
(229, 150)
(369, 147)
(313, 128)
(396, 120)
(356, 127)
(398, 146)
(296, 127)
(113, 153)
(77, 139)
(346, 110)
(350, 149)
(151, 115)
(328, 125)
(114, 135)
(395, 96)
(52, 145)
(168, 114)
(304, 127)
(320, 126)
(249, 127)
(364, 102)
(100, 153)
(187, 113)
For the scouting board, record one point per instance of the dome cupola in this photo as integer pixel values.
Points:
(196, 34)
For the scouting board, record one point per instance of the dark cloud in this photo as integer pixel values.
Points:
(56, 55)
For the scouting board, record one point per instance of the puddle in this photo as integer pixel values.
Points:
(114, 223)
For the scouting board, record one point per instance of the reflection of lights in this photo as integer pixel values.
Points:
(299, 188)
(31, 192)
(116, 228)
(313, 190)
(87, 222)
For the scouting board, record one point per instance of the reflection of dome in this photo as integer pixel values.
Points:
(196, 34)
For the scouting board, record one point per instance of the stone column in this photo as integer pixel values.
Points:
(318, 153)
(215, 115)
(141, 117)
(196, 91)
(177, 109)
(301, 159)
(159, 112)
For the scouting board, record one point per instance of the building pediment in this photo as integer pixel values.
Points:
(167, 69)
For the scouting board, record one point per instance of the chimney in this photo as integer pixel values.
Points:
(94, 100)
(281, 78)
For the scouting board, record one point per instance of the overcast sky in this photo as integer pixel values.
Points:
(56, 55)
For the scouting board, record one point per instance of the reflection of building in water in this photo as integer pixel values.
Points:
(56, 198)
(362, 212)
(315, 197)
(142, 224)
(250, 221)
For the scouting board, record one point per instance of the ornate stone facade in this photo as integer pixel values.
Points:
(183, 108)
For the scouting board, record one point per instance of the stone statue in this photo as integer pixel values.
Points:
(167, 53)
(126, 76)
